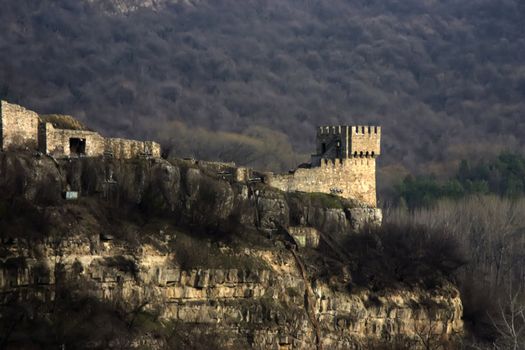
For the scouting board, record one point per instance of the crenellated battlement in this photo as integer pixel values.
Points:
(344, 164)
(332, 130)
(341, 129)
(345, 142)
(366, 129)
(353, 161)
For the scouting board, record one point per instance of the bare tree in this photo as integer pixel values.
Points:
(510, 324)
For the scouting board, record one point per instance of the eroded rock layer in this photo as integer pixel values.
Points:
(196, 249)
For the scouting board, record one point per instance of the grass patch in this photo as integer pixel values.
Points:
(196, 252)
(61, 121)
(317, 199)
(122, 263)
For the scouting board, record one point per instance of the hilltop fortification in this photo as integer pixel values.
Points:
(63, 136)
(344, 164)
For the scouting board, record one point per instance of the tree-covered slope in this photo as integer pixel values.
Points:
(241, 79)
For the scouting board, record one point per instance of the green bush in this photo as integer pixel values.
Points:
(504, 176)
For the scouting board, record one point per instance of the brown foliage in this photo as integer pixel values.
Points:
(491, 231)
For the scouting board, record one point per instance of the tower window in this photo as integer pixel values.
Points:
(323, 148)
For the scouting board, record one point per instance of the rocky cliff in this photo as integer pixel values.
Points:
(158, 254)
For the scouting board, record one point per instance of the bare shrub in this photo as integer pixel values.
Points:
(413, 254)
(197, 252)
(49, 191)
(491, 230)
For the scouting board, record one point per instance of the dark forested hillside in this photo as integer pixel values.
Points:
(244, 79)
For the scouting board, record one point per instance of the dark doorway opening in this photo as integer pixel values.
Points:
(77, 146)
(323, 148)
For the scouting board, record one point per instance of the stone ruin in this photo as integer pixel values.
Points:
(63, 136)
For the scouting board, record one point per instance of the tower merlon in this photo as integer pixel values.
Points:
(345, 141)
(366, 129)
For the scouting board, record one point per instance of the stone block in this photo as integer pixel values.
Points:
(305, 236)
(203, 278)
(172, 275)
(232, 276)
(217, 277)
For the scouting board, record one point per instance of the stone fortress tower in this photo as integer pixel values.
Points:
(344, 164)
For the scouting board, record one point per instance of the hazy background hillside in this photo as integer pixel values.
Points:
(249, 80)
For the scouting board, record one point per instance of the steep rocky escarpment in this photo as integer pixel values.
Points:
(176, 255)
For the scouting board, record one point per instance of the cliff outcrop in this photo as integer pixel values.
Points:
(161, 254)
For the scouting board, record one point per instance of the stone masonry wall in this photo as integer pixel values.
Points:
(21, 127)
(353, 178)
(56, 141)
(18, 126)
(365, 140)
(327, 139)
(126, 149)
(344, 141)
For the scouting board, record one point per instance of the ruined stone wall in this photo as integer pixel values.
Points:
(21, 127)
(127, 149)
(353, 178)
(18, 126)
(55, 142)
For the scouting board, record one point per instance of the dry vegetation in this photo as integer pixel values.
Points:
(478, 240)
(444, 78)
(63, 121)
(490, 230)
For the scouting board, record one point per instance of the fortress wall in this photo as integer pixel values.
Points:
(18, 126)
(365, 139)
(355, 177)
(127, 149)
(56, 141)
(21, 127)
(152, 148)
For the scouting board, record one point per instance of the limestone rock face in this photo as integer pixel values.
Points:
(359, 217)
(189, 192)
(265, 305)
(261, 292)
(272, 209)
